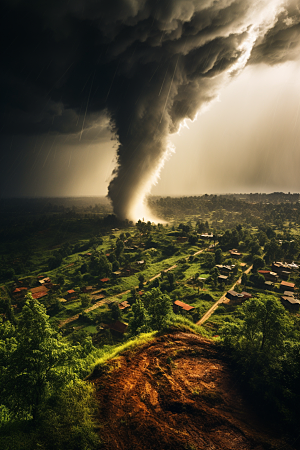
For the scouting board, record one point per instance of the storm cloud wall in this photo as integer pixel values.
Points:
(144, 65)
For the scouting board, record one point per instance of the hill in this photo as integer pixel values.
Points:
(176, 392)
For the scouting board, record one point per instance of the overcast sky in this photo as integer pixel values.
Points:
(88, 88)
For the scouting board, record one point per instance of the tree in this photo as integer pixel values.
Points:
(263, 327)
(258, 263)
(85, 300)
(244, 279)
(255, 248)
(139, 323)
(273, 251)
(171, 279)
(257, 279)
(218, 256)
(115, 311)
(33, 361)
(193, 239)
(141, 281)
(119, 248)
(208, 260)
(214, 275)
(159, 308)
(265, 347)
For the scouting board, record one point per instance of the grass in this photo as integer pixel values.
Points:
(132, 344)
(184, 324)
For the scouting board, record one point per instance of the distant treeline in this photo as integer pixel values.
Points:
(223, 211)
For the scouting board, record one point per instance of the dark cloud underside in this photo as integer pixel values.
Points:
(146, 65)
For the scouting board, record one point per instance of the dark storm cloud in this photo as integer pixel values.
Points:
(282, 42)
(145, 64)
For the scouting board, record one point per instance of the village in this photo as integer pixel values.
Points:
(191, 277)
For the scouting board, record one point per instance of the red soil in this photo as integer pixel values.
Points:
(176, 393)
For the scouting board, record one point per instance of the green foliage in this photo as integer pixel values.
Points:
(208, 260)
(66, 418)
(258, 263)
(32, 358)
(273, 251)
(257, 279)
(265, 347)
(244, 279)
(263, 326)
(65, 423)
(54, 261)
(85, 300)
(39, 382)
(218, 256)
(139, 323)
(115, 311)
(159, 307)
(150, 313)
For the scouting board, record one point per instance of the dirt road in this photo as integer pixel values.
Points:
(221, 300)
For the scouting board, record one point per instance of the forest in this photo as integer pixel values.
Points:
(78, 287)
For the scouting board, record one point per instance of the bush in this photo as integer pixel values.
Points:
(66, 421)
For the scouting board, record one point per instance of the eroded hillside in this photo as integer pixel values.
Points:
(176, 393)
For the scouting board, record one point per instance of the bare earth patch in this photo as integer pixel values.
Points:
(176, 393)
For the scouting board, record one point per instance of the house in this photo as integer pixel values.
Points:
(118, 327)
(104, 280)
(222, 278)
(140, 263)
(71, 294)
(117, 273)
(97, 297)
(232, 295)
(285, 274)
(45, 280)
(290, 303)
(124, 305)
(207, 236)
(286, 286)
(269, 276)
(87, 289)
(20, 292)
(235, 254)
(182, 239)
(288, 294)
(129, 271)
(181, 306)
(224, 270)
(268, 284)
(39, 292)
(246, 295)
(280, 267)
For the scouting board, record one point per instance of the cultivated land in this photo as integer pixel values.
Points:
(103, 282)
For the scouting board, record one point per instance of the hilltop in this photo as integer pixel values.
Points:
(176, 392)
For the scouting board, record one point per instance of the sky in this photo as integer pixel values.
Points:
(133, 97)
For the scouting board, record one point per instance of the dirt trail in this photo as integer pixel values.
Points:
(176, 393)
(221, 300)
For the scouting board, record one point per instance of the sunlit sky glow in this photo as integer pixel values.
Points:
(247, 141)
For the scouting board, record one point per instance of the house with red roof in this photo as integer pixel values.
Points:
(182, 307)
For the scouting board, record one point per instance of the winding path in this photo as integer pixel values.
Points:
(221, 300)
